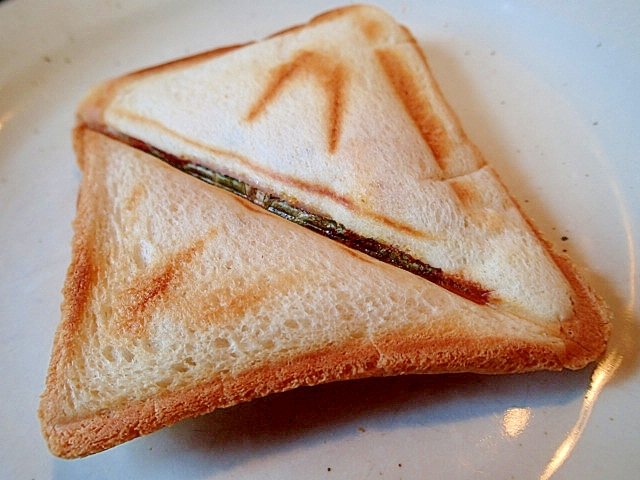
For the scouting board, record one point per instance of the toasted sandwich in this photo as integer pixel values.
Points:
(184, 297)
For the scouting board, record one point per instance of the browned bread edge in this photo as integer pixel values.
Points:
(407, 354)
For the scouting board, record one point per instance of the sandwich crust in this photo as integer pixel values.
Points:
(410, 355)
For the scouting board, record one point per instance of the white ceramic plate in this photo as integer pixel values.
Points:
(551, 96)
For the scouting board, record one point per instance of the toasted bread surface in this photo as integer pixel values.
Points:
(182, 298)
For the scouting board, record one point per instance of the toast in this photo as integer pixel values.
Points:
(182, 298)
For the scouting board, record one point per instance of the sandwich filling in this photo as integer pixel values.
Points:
(320, 224)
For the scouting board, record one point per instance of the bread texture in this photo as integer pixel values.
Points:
(182, 297)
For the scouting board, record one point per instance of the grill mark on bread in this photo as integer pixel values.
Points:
(465, 191)
(332, 78)
(149, 291)
(452, 118)
(240, 301)
(355, 254)
(417, 107)
(134, 199)
(372, 28)
(252, 207)
(83, 277)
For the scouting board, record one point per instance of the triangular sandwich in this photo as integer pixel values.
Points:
(182, 297)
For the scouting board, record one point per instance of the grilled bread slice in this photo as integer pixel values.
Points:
(182, 298)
